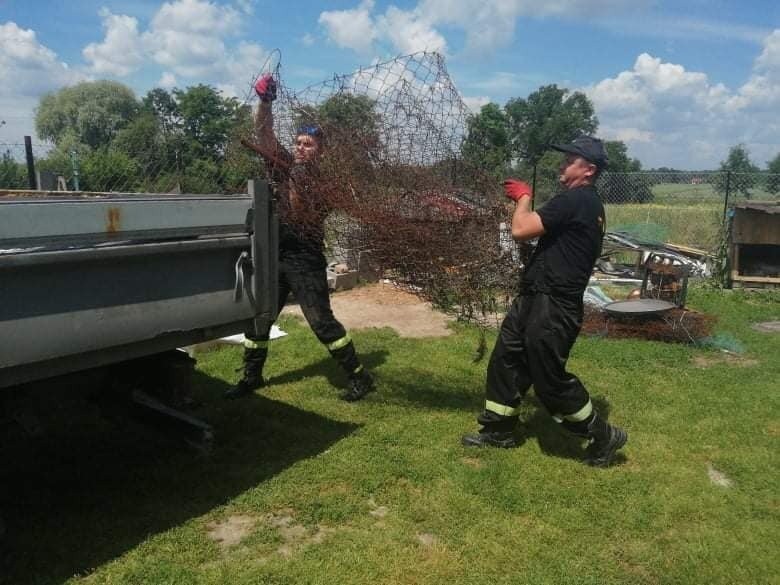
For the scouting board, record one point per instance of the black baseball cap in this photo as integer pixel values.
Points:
(588, 147)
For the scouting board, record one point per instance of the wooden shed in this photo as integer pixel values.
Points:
(754, 251)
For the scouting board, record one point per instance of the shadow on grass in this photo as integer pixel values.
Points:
(328, 367)
(87, 489)
(555, 441)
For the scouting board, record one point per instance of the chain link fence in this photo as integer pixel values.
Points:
(681, 207)
(164, 169)
(686, 208)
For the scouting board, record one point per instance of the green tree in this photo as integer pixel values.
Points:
(13, 175)
(773, 179)
(143, 141)
(547, 116)
(206, 119)
(739, 173)
(619, 161)
(351, 127)
(109, 170)
(161, 104)
(91, 113)
(487, 145)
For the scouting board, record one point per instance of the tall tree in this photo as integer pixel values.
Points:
(739, 173)
(206, 118)
(619, 161)
(548, 115)
(90, 113)
(487, 143)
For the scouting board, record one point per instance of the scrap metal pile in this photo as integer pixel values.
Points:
(401, 195)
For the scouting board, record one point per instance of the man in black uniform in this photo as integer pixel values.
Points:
(545, 319)
(302, 211)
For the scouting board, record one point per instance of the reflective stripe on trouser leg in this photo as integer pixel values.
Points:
(507, 378)
(339, 343)
(343, 351)
(578, 422)
(500, 409)
(255, 344)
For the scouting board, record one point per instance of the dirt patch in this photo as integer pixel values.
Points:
(385, 305)
(707, 361)
(473, 462)
(426, 539)
(718, 477)
(231, 531)
(294, 535)
(767, 327)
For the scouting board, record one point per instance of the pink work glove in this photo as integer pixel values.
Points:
(265, 87)
(516, 190)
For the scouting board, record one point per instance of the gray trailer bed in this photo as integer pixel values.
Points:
(91, 279)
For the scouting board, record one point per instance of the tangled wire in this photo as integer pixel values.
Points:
(400, 191)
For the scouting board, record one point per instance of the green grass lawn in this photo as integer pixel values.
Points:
(317, 491)
(696, 225)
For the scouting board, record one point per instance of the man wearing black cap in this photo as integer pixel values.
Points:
(545, 319)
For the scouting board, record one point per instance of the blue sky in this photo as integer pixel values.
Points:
(679, 82)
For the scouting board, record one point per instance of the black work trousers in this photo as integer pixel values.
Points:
(532, 348)
(309, 285)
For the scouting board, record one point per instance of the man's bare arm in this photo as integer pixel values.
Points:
(264, 129)
(526, 224)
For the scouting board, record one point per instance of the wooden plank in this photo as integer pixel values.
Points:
(771, 279)
(752, 226)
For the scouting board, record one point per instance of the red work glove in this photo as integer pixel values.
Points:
(265, 87)
(516, 190)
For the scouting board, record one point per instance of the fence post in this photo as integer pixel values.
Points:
(33, 184)
(74, 163)
(726, 199)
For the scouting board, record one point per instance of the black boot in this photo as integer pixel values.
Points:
(605, 441)
(493, 434)
(360, 384)
(254, 360)
(502, 439)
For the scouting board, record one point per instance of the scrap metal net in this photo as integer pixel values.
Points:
(403, 199)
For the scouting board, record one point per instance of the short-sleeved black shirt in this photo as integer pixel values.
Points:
(574, 226)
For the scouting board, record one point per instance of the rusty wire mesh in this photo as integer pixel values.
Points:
(402, 198)
(675, 326)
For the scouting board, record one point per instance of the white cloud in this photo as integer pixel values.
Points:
(186, 36)
(189, 38)
(475, 103)
(409, 32)
(28, 69)
(198, 16)
(673, 117)
(246, 6)
(120, 52)
(167, 80)
(240, 69)
(307, 40)
(351, 29)
(487, 24)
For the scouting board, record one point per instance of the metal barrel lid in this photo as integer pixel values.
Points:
(636, 307)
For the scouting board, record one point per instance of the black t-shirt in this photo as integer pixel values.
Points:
(301, 233)
(574, 226)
